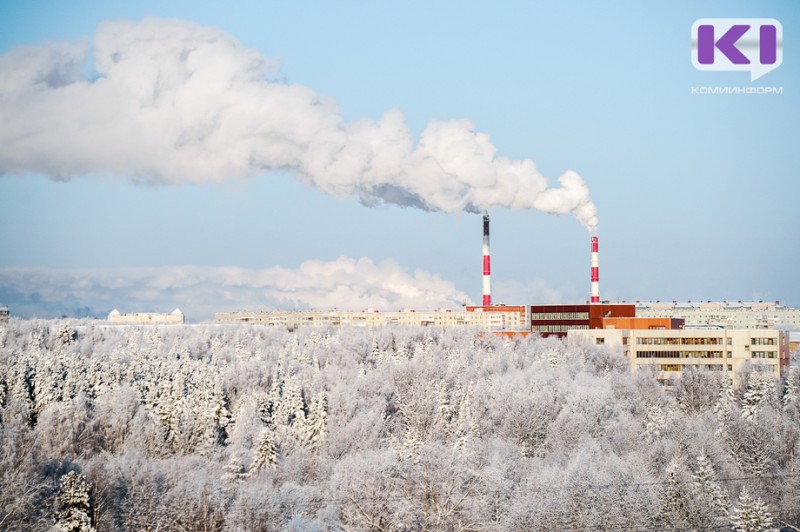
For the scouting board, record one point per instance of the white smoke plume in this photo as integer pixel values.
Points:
(344, 283)
(168, 101)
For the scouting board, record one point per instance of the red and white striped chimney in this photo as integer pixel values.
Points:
(595, 273)
(487, 269)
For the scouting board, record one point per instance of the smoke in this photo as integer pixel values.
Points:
(168, 101)
(344, 283)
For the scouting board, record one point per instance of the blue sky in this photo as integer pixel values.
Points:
(696, 195)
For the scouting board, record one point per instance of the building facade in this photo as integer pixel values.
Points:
(147, 318)
(668, 352)
(557, 320)
(373, 318)
(729, 315)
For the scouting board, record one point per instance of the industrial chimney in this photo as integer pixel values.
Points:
(595, 273)
(487, 282)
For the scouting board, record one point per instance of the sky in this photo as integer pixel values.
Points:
(283, 155)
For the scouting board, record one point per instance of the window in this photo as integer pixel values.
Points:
(601, 340)
(762, 341)
(679, 354)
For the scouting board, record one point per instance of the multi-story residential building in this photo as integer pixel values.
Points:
(489, 318)
(146, 318)
(667, 352)
(725, 314)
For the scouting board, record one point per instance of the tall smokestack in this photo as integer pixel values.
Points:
(487, 269)
(595, 273)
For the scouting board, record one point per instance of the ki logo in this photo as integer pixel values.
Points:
(736, 44)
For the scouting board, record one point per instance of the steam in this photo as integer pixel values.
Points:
(168, 101)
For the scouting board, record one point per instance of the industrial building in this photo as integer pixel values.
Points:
(725, 314)
(667, 352)
(556, 320)
(147, 318)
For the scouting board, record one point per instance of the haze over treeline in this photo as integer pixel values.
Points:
(257, 428)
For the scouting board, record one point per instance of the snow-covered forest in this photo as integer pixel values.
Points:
(253, 428)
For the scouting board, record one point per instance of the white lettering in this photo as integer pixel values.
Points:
(736, 90)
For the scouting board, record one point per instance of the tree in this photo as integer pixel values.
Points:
(266, 452)
(790, 390)
(751, 515)
(695, 390)
(316, 427)
(656, 423)
(66, 335)
(73, 508)
(708, 493)
(235, 471)
(760, 391)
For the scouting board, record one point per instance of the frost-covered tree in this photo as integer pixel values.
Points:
(760, 391)
(791, 393)
(65, 334)
(710, 497)
(751, 515)
(235, 470)
(73, 507)
(695, 391)
(461, 430)
(676, 498)
(656, 423)
(316, 425)
(266, 452)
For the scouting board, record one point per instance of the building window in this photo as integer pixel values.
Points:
(762, 341)
(601, 340)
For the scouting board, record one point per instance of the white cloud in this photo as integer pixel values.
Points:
(345, 283)
(175, 102)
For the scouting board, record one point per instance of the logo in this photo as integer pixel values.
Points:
(734, 44)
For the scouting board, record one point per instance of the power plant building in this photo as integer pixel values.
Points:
(557, 320)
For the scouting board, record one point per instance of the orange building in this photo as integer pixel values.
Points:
(643, 323)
